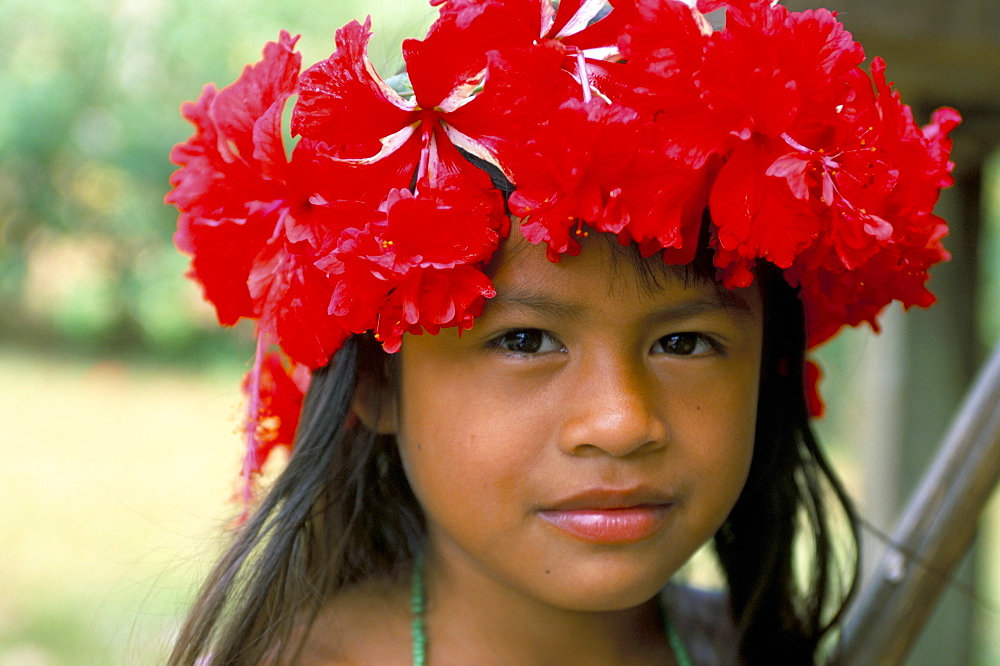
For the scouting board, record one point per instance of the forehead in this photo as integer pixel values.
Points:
(606, 272)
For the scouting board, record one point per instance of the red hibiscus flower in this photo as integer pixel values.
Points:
(593, 164)
(873, 184)
(236, 201)
(356, 117)
(416, 269)
(275, 395)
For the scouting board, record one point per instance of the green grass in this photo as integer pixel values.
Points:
(113, 495)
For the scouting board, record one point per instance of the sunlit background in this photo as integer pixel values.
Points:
(119, 398)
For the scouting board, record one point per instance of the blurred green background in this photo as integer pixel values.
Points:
(119, 397)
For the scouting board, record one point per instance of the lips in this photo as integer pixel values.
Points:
(610, 517)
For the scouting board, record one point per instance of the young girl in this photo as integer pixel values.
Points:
(549, 296)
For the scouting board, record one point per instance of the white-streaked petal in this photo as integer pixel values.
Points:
(473, 146)
(390, 144)
(581, 19)
(602, 53)
(388, 91)
(463, 93)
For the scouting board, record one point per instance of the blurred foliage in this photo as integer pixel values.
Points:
(89, 97)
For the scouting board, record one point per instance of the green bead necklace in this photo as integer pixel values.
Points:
(674, 637)
(418, 633)
(418, 636)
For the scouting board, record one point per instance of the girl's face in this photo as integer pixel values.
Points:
(589, 433)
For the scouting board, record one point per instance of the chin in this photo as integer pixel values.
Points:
(609, 586)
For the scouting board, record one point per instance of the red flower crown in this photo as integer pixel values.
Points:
(630, 121)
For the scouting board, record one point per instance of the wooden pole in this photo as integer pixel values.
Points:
(933, 534)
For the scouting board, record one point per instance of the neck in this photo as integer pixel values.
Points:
(470, 617)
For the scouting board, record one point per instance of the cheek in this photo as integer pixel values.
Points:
(731, 423)
(459, 450)
(714, 429)
(457, 419)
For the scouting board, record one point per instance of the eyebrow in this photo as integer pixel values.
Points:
(515, 299)
(716, 299)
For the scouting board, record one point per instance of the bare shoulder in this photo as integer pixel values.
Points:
(365, 624)
(704, 622)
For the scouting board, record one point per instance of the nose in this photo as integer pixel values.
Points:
(615, 406)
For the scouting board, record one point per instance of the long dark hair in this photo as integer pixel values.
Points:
(342, 511)
(789, 494)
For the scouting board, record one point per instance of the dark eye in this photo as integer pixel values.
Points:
(682, 344)
(525, 341)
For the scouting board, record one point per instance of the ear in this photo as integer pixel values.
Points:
(375, 405)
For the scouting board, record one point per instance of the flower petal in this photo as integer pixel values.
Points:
(345, 103)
